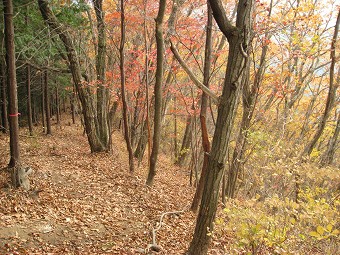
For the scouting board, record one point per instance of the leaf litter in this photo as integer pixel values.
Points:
(83, 203)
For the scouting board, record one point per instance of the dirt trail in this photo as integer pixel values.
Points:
(89, 203)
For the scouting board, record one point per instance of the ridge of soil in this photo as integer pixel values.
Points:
(83, 203)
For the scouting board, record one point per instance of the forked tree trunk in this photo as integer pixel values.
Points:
(249, 96)
(102, 91)
(122, 81)
(238, 37)
(157, 92)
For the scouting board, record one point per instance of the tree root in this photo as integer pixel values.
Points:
(154, 246)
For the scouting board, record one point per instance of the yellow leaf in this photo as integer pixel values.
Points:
(320, 230)
(329, 227)
(335, 232)
(314, 234)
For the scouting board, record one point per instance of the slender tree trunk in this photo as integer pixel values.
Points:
(186, 142)
(328, 156)
(134, 123)
(57, 103)
(4, 114)
(157, 92)
(239, 39)
(148, 128)
(47, 104)
(29, 100)
(141, 145)
(42, 101)
(73, 107)
(203, 114)
(331, 93)
(122, 80)
(175, 130)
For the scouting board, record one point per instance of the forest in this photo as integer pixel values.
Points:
(170, 127)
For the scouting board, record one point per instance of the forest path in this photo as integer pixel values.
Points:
(89, 203)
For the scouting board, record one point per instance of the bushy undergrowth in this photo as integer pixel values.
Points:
(281, 225)
(284, 205)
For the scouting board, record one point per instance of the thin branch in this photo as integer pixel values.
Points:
(192, 76)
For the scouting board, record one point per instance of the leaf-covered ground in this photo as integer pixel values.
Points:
(83, 203)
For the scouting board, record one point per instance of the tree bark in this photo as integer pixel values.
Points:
(122, 80)
(203, 114)
(238, 37)
(29, 100)
(11, 84)
(57, 102)
(331, 93)
(186, 142)
(42, 101)
(18, 174)
(328, 156)
(4, 114)
(102, 90)
(47, 104)
(157, 92)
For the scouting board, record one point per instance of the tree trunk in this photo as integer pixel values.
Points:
(203, 114)
(141, 145)
(186, 142)
(331, 93)
(42, 101)
(157, 92)
(122, 80)
(29, 100)
(18, 174)
(57, 103)
(102, 91)
(147, 119)
(73, 107)
(238, 38)
(47, 104)
(328, 156)
(4, 114)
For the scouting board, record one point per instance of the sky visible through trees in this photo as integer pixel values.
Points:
(239, 98)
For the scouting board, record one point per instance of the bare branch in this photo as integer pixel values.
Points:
(192, 76)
